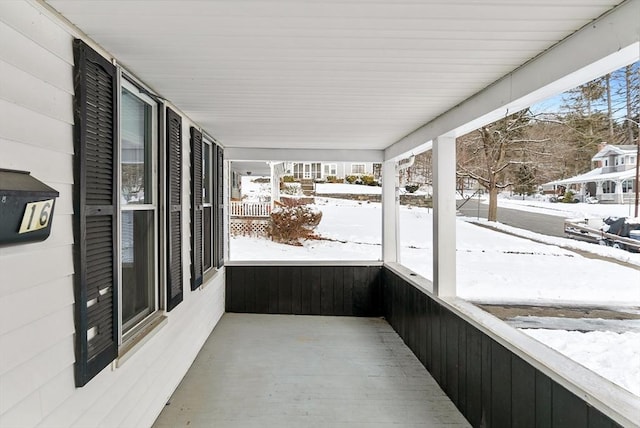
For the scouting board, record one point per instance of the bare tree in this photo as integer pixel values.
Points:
(487, 154)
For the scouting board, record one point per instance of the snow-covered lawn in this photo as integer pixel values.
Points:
(491, 267)
(613, 356)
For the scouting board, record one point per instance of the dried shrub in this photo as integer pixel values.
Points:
(291, 225)
(287, 201)
(351, 179)
(291, 189)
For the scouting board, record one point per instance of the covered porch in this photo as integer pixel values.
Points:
(277, 81)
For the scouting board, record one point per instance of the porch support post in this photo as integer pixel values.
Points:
(390, 217)
(619, 198)
(444, 215)
(599, 189)
(275, 185)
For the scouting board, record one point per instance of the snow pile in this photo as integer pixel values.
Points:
(253, 190)
(614, 356)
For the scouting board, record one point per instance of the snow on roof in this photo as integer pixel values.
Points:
(594, 175)
(618, 150)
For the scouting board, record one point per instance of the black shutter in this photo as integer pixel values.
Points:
(219, 203)
(174, 198)
(95, 207)
(196, 208)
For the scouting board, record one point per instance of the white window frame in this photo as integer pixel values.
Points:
(129, 333)
(359, 166)
(210, 204)
(329, 169)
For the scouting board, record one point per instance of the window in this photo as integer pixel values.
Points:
(117, 204)
(207, 202)
(206, 207)
(119, 226)
(608, 187)
(316, 171)
(330, 169)
(357, 168)
(627, 186)
(307, 170)
(139, 206)
(632, 160)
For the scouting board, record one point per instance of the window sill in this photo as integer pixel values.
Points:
(138, 337)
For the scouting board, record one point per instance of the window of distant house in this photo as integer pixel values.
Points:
(330, 169)
(632, 160)
(139, 206)
(608, 187)
(357, 168)
(606, 162)
(627, 186)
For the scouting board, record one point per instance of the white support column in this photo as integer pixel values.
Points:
(226, 215)
(275, 185)
(390, 226)
(619, 197)
(444, 215)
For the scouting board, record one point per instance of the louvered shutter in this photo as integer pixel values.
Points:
(196, 208)
(174, 217)
(219, 201)
(95, 209)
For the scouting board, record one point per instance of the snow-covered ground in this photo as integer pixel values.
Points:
(491, 267)
(613, 356)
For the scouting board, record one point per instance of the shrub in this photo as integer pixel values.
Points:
(288, 179)
(290, 225)
(351, 179)
(568, 197)
(368, 180)
(411, 188)
(333, 179)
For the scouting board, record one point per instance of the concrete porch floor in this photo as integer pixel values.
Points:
(307, 371)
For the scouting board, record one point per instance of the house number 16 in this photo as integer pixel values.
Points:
(36, 216)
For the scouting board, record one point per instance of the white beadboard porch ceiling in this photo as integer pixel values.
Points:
(323, 74)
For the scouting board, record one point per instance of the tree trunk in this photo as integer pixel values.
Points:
(493, 204)
(609, 111)
(627, 80)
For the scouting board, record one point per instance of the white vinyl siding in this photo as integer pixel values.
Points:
(36, 290)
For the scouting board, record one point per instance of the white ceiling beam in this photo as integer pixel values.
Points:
(601, 47)
(311, 155)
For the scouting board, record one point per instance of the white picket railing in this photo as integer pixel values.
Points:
(250, 209)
